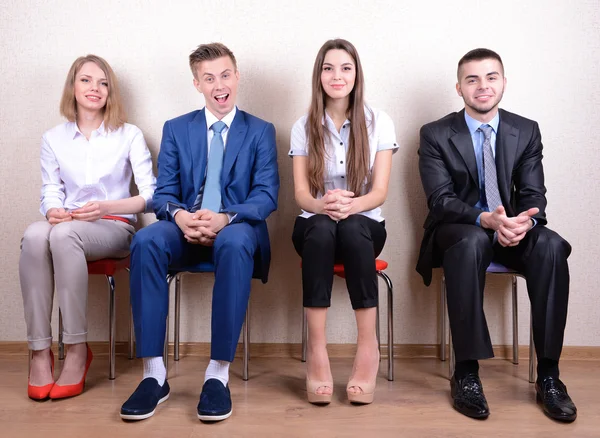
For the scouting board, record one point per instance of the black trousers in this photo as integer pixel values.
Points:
(541, 257)
(355, 242)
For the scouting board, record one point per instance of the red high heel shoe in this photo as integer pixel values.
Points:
(64, 391)
(41, 392)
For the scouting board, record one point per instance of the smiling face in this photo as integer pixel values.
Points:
(218, 80)
(481, 85)
(91, 88)
(338, 74)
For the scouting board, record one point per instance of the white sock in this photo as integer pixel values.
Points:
(218, 369)
(155, 367)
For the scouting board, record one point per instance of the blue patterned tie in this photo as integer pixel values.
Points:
(492, 194)
(211, 199)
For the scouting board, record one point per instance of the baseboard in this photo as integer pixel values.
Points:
(401, 351)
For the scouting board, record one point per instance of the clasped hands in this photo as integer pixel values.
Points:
(510, 230)
(92, 211)
(338, 204)
(202, 226)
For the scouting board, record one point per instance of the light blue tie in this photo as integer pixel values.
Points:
(211, 199)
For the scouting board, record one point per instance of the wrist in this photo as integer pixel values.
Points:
(483, 219)
(224, 219)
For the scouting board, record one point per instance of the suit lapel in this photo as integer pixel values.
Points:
(506, 151)
(198, 138)
(462, 141)
(235, 141)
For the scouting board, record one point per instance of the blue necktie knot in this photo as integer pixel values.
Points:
(218, 127)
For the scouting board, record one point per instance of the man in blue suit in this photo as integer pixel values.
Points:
(217, 184)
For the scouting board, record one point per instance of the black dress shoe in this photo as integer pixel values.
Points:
(468, 398)
(552, 393)
(215, 401)
(144, 400)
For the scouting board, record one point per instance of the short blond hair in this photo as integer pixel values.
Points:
(209, 52)
(114, 113)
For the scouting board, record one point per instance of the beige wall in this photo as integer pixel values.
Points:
(409, 50)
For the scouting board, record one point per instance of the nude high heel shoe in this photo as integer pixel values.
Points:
(368, 389)
(311, 392)
(366, 396)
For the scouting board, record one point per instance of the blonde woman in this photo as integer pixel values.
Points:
(87, 164)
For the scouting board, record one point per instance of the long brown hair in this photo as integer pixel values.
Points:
(358, 156)
(114, 114)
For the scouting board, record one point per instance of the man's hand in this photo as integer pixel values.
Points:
(338, 204)
(214, 222)
(92, 211)
(193, 229)
(511, 236)
(495, 219)
(58, 215)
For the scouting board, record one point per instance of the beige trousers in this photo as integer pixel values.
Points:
(57, 255)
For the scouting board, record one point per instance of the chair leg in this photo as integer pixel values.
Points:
(451, 355)
(246, 340)
(304, 334)
(111, 321)
(131, 327)
(390, 323)
(532, 356)
(442, 319)
(131, 334)
(378, 332)
(515, 321)
(166, 347)
(177, 315)
(61, 345)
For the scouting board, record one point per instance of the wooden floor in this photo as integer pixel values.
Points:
(273, 403)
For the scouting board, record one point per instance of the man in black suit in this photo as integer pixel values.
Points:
(481, 169)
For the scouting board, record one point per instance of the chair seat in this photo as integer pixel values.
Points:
(107, 266)
(198, 267)
(338, 268)
(497, 268)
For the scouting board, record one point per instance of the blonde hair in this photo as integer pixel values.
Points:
(210, 52)
(114, 113)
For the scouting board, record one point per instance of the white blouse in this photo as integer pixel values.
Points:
(382, 136)
(76, 171)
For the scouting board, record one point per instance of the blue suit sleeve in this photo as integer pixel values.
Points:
(264, 190)
(167, 197)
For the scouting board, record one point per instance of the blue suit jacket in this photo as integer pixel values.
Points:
(249, 179)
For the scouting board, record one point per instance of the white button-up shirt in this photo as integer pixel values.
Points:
(76, 170)
(211, 119)
(382, 136)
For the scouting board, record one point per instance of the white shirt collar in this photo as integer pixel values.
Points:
(211, 118)
(75, 129)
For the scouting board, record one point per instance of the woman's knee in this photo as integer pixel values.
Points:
(36, 234)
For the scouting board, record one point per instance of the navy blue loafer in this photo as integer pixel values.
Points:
(215, 401)
(144, 400)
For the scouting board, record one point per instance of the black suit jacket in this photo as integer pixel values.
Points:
(449, 175)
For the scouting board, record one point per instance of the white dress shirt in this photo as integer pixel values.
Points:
(382, 136)
(211, 119)
(76, 171)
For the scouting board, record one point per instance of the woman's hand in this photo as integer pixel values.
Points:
(92, 211)
(339, 204)
(57, 215)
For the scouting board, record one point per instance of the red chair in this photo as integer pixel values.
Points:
(380, 266)
(108, 268)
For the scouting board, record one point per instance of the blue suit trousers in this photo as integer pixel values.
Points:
(160, 247)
